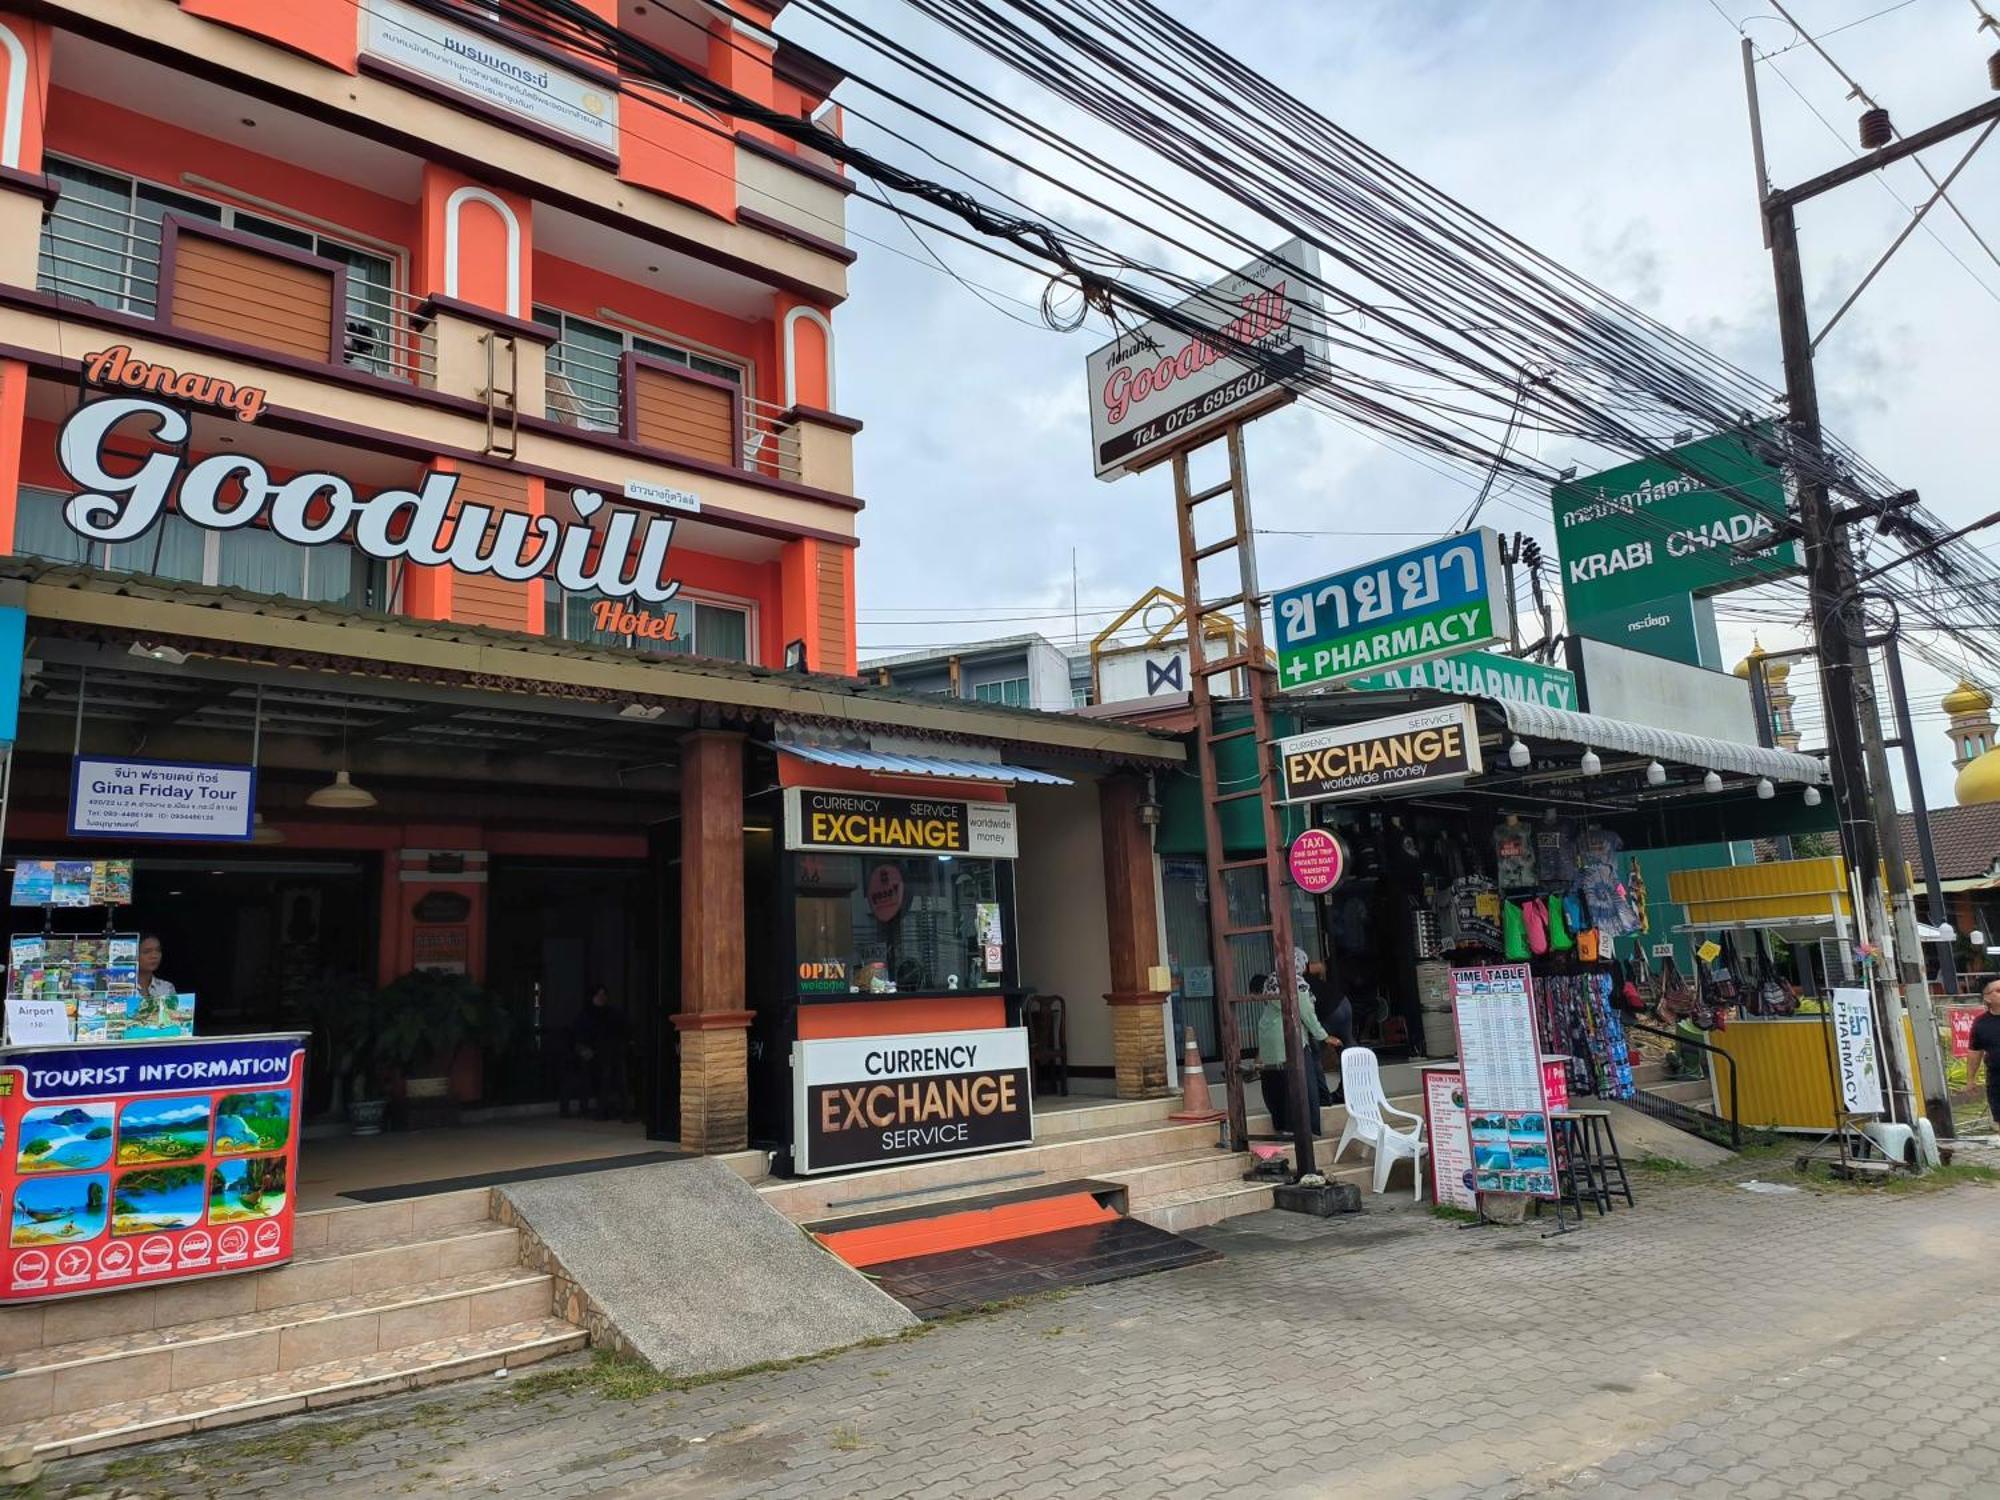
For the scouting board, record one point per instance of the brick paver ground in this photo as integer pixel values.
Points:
(1716, 1342)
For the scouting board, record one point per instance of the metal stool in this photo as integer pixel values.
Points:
(1606, 1167)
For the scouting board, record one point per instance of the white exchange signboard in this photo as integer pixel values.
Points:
(469, 63)
(175, 800)
(1158, 387)
(874, 1100)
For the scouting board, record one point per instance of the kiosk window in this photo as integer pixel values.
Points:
(918, 921)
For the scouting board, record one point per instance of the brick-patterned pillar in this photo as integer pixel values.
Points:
(715, 1064)
(1138, 1037)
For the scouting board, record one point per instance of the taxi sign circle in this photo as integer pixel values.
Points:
(1318, 859)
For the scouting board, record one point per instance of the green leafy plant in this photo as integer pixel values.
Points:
(426, 1016)
(345, 1017)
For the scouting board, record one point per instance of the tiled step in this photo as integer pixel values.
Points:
(250, 1397)
(1195, 1208)
(169, 1361)
(1092, 1155)
(319, 1271)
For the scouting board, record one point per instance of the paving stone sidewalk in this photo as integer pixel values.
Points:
(1715, 1342)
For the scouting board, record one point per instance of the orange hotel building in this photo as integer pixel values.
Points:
(398, 242)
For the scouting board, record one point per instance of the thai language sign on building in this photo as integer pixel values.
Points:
(128, 1164)
(1684, 524)
(1231, 350)
(1480, 674)
(867, 1101)
(1406, 753)
(1435, 600)
(118, 796)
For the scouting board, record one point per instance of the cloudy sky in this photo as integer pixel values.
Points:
(1611, 137)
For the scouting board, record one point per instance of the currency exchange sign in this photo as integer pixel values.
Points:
(1434, 600)
(1653, 529)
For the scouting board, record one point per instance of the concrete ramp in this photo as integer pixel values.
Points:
(684, 1265)
(1642, 1135)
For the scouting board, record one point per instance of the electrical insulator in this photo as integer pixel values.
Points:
(1876, 131)
(1993, 70)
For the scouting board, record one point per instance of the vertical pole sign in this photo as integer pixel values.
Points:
(1237, 348)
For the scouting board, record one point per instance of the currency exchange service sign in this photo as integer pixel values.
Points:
(1434, 600)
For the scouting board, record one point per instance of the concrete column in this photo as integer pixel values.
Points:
(713, 1023)
(1138, 1035)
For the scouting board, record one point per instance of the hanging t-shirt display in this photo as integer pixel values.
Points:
(1514, 854)
(1611, 909)
(1472, 914)
(1555, 851)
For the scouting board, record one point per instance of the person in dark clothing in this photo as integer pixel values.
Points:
(597, 1057)
(1336, 1014)
(1986, 1048)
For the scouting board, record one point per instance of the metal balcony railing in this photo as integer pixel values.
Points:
(109, 255)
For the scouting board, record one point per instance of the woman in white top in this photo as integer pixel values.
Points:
(152, 987)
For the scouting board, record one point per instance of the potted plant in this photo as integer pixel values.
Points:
(344, 1016)
(429, 1022)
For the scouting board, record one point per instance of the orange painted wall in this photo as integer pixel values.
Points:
(13, 400)
(34, 40)
(677, 150)
(121, 139)
(482, 243)
(313, 27)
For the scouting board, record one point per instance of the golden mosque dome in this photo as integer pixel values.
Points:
(1777, 671)
(1979, 781)
(1967, 699)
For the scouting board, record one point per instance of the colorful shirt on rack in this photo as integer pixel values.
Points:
(1555, 851)
(1611, 909)
(1472, 914)
(1514, 856)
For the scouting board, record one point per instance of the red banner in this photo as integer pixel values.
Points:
(126, 1164)
(1962, 1018)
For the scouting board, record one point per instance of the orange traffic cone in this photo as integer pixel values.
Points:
(1196, 1106)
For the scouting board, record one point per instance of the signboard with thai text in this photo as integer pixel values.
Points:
(1855, 1054)
(1671, 526)
(871, 823)
(433, 51)
(182, 801)
(873, 1100)
(126, 1164)
(1435, 600)
(1391, 757)
(1163, 385)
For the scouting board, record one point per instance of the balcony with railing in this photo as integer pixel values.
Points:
(676, 400)
(199, 266)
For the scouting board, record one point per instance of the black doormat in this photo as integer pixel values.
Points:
(959, 1280)
(517, 1174)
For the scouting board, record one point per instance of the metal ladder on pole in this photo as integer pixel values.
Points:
(1226, 935)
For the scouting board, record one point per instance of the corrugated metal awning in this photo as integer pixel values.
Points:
(1662, 744)
(924, 765)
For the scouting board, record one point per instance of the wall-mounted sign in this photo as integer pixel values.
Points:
(120, 501)
(443, 950)
(1657, 528)
(866, 1101)
(1678, 628)
(1159, 386)
(129, 1165)
(664, 495)
(872, 823)
(823, 976)
(431, 50)
(1317, 860)
(442, 906)
(1480, 674)
(615, 617)
(1391, 757)
(1434, 600)
(116, 369)
(178, 800)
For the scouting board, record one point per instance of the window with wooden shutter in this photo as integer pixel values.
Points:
(832, 610)
(683, 411)
(481, 598)
(251, 293)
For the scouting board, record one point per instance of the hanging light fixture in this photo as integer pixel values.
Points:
(1765, 791)
(1812, 796)
(265, 833)
(1976, 938)
(1711, 782)
(341, 794)
(1656, 774)
(1590, 764)
(1518, 754)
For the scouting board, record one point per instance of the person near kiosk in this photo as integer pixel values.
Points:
(1271, 1050)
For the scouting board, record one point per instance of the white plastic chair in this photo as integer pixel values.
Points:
(1367, 1106)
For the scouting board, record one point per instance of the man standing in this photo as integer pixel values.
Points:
(1986, 1048)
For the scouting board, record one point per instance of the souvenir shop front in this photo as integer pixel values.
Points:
(1504, 834)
